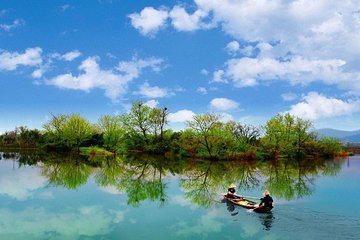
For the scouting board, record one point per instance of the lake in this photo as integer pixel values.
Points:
(46, 196)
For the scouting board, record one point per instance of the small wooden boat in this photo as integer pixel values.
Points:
(262, 209)
(246, 203)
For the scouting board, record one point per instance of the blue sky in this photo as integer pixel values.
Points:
(247, 60)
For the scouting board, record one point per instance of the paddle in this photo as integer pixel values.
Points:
(240, 196)
(251, 197)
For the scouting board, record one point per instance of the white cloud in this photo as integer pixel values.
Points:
(202, 90)
(326, 43)
(315, 106)
(288, 96)
(38, 73)
(11, 60)
(152, 103)
(114, 81)
(149, 20)
(218, 76)
(245, 72)
(279, 20)
(181, 116)
(152, 92)
(69, 56)
(22, 183)
(223, 104)
(233, 47)
(182, 21)
(15, 24)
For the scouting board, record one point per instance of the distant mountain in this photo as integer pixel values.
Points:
(349, 136)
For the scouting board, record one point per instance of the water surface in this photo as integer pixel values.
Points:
(67, 197)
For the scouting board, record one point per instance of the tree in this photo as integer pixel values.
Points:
(139, 119)
(244, 135)
(158, 120)
(54, 129)
(69, 130)
(113, 132)
(204, 126)
(330, 146)
(77, 130)
(287, 135)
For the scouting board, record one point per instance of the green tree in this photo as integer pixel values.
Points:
(54, 129)
(139, 119)
(77, 130)
(204, 125)
(113, 132)
(286, 135)
(330, 146)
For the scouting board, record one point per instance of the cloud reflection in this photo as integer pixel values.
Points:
(38, 223)
(20, 183)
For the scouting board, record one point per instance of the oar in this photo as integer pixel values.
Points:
(251, 197)
(240, 196)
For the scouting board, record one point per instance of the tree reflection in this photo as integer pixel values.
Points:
(70, 171)
(145, 178)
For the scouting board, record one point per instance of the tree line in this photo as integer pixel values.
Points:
(144, 129)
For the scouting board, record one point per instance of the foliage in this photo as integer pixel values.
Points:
(330, 146)
(286, 135)
(70, 131)
(144, 129)
(113, 133)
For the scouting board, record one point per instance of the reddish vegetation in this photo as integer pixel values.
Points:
(343, 154)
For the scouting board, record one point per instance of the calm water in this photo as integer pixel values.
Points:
(50, 197)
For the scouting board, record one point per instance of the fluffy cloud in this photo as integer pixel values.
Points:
(325, 47)
(223, 104)
(152, 92)
(69, 56)
(315, 106)
(114, 81)
(152, 103)
(245, 72)
(12, 60)
(149, 20)
(181, 116)
(233, 47)
(182, 21)
(218, 76)
(16, 23)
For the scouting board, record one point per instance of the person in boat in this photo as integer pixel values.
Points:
(231, 193)
(267, 200)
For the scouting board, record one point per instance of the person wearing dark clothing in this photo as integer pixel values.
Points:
(266, 201)
(232, 192)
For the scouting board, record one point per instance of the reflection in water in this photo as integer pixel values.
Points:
(230, 207)
(144, 178)
(266, 220)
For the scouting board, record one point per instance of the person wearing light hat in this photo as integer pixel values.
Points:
(266, 201)
(231, 193)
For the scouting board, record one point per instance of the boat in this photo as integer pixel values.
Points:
(246, 203)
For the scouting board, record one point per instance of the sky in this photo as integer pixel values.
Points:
(246, 60)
